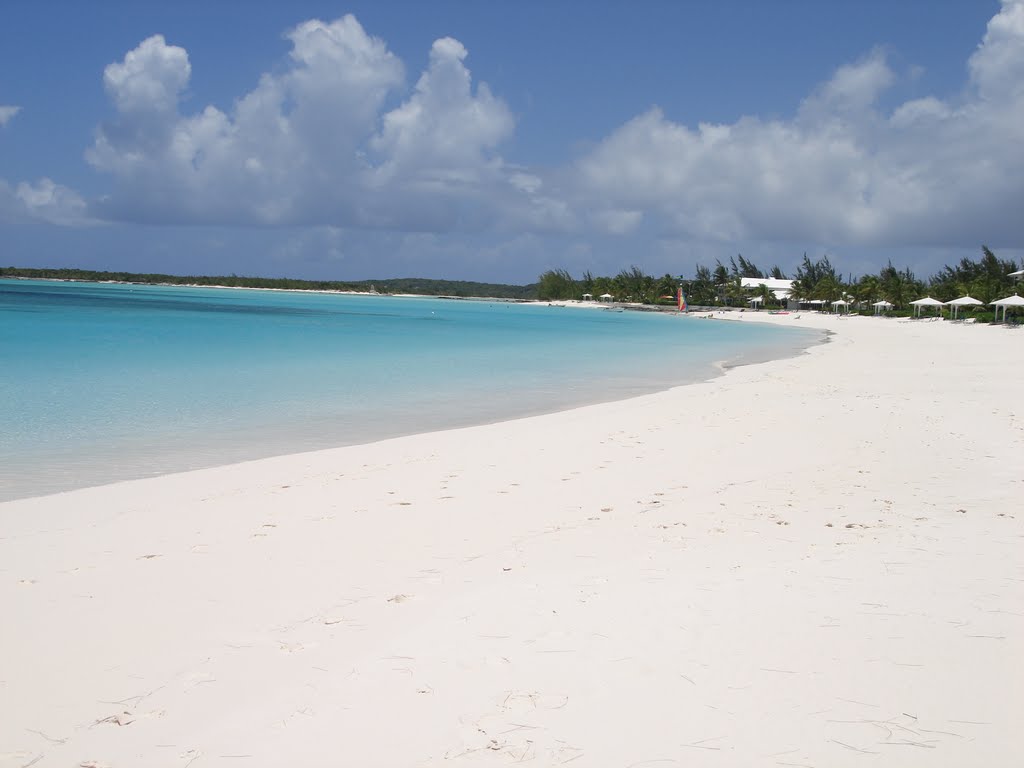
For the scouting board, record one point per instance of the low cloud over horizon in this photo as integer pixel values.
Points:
(337, 137)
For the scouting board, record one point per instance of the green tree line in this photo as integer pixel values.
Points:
(985, 279)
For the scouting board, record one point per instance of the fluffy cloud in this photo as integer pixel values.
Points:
(6, 113)
(310, 145)
(317, 143)
(43, 201)
(997, 67)
(841, 170)
(149, 79)
(442, 133)
(851, 90)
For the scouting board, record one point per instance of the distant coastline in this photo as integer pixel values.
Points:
(455, 290)
(462, 289)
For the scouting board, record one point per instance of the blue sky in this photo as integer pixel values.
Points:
(494, 140)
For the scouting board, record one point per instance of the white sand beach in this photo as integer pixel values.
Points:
(816, 562)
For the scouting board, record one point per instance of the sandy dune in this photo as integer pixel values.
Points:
(811, 562)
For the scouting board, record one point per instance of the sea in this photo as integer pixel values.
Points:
(106, 382)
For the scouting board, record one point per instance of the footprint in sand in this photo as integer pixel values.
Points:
(120, 718)
(196, 679)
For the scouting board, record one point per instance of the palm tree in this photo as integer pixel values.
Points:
(867, 290)
(800, 291)
(666, 286)
(829, 289)
(899, 287)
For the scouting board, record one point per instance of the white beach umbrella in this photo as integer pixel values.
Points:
(1009, 301)
(964, 301)
(757, 300)
(588, 296)
(880, 305)
(928, 301)
(607, 296)
(839, 303)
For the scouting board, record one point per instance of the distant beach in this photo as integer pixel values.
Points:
(808, 561)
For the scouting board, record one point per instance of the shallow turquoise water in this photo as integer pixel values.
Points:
(104, 382)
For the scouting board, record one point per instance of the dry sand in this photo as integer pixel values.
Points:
(810, 562)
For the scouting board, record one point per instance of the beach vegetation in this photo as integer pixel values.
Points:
(667, 287)
(700, 291)
(866, 290)
(558, 285)
(899, 287)
(635, 285)
(814, 280)
(986, 278)
(741, 267)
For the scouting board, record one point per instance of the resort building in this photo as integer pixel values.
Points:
(781, 289)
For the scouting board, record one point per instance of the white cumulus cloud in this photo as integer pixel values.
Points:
(308, 145)
(842, 170)
(443, 131)
(997, 67)
(335, 138)
(149, 79)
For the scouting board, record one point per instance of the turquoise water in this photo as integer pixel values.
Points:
(104, 382)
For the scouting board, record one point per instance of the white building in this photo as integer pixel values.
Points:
(780, 288)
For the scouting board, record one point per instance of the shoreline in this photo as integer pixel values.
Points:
(181, 453)
(278, 290)
(497, 299)
(803, 561)
(715, 371)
